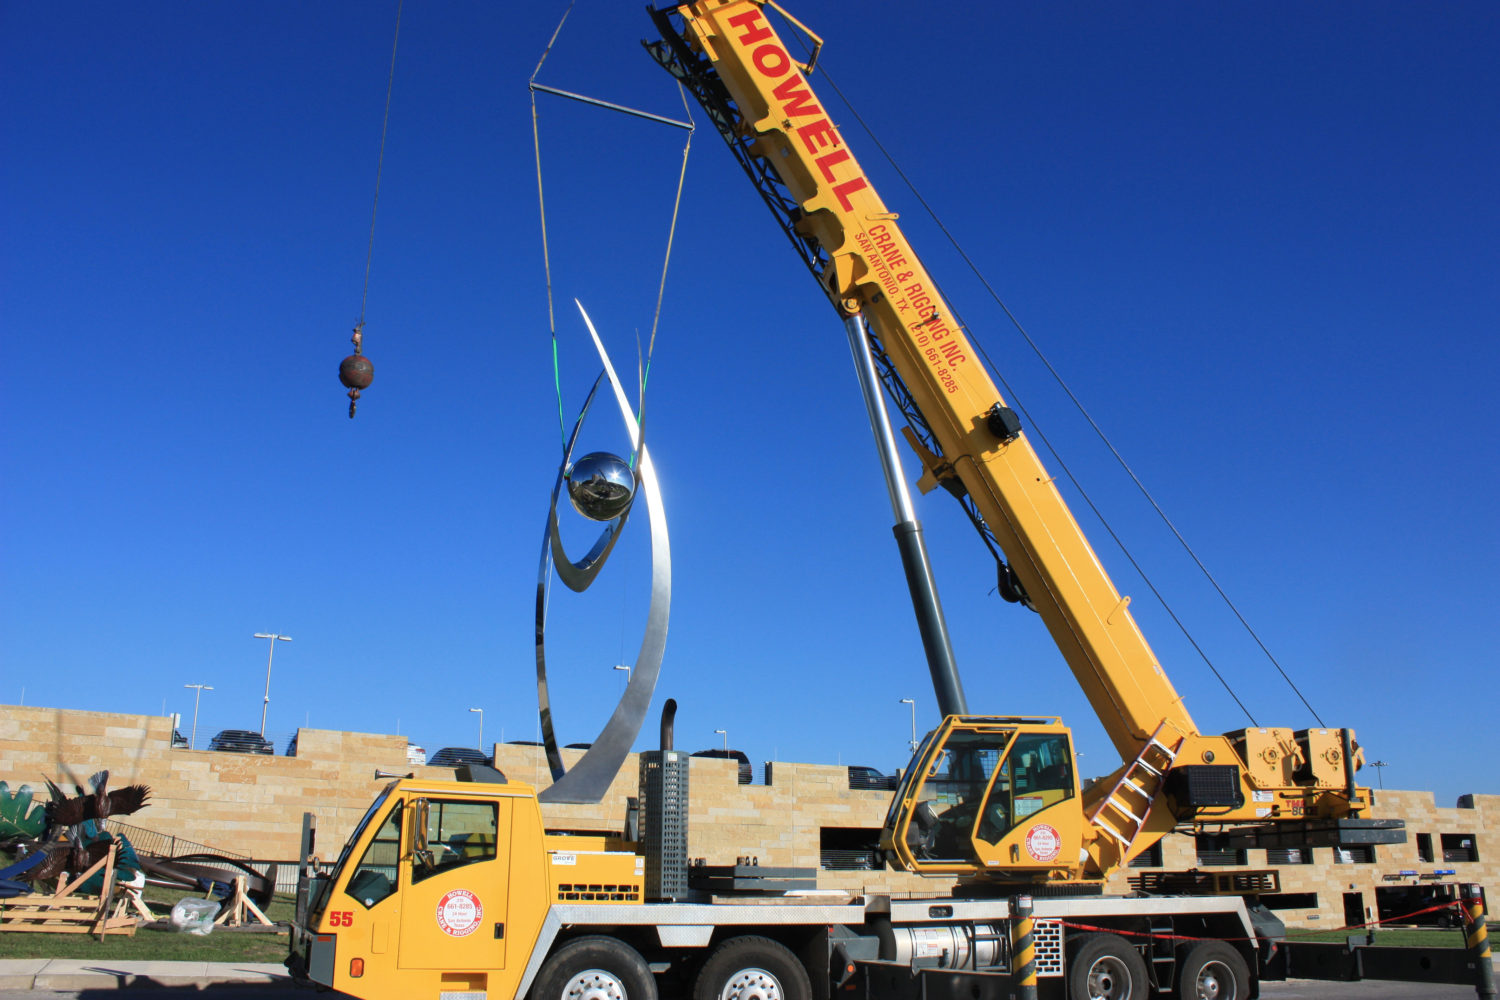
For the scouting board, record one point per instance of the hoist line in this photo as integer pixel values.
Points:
(536, 145)
(661, 290)
(536, 141)
(643, 369)
(390, 84)
(1097, 430)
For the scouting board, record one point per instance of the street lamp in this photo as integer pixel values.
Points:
(481, 727)
(724, 733)
(200, 688)
(912, 702)
(1380, 767)
(627, 673)
(266, 703)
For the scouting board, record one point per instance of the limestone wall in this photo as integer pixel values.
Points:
(253, 805)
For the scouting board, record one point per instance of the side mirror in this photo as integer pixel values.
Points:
(419, 843)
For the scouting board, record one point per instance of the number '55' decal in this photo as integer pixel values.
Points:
(341, 918)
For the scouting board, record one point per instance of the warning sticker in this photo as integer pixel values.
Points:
(1043, 842)
(459, 913)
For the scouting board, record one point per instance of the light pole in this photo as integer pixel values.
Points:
(724, 733)
(481, 727)
(912, 702)
(627, 673)
(1380, 767)
(266, 703)
(199, 689)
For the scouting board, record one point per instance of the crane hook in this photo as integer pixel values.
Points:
(356, 372)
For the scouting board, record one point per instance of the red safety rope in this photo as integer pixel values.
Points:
(1405, 917)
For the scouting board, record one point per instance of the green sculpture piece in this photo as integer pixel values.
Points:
(19, 815)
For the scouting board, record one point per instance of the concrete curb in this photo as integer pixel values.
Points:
(89, 974)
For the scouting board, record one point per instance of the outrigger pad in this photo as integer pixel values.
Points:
(1321, 833)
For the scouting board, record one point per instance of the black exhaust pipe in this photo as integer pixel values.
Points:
(668, 715)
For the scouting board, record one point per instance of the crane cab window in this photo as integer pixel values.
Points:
(953, 791)
(375, 877)
(458, 833)
(1043, 769)
(1036, 774)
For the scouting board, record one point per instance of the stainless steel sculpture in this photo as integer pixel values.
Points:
(603, 487)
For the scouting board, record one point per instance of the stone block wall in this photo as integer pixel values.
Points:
(253, 804)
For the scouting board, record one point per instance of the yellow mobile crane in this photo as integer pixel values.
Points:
(996, 798)
(455, 890)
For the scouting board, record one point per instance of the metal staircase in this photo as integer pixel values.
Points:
(1122, 813)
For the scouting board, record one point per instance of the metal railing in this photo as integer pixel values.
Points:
(165, 845)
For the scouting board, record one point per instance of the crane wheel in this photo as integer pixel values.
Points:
(752, 968)
(1213, 971)
(1106, 967)
(594, 968)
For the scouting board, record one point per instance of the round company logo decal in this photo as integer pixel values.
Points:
(459, 913)
(1043, 842)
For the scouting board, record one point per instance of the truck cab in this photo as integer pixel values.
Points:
(429, 883)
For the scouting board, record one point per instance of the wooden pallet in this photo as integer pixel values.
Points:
(238, 909)
(66, 913)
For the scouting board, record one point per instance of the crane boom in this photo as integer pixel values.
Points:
(1002, 790)
(866, 265)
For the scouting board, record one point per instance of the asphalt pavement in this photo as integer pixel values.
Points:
(79, 975)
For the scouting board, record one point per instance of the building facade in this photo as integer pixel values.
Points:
(799, 815)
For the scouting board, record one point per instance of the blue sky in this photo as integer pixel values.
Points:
(1258, 241)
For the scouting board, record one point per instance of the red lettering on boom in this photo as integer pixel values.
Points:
(817, 135)
(847, 188)
(746, 21)
(951, 352)
(771, 60)
(828, 161)
(796, 100)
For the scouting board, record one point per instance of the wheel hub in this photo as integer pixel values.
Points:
(1109, 979)
(751, 984)
(594, 984)
(1214, 983)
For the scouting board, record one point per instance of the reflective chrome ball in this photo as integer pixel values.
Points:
(601, 486)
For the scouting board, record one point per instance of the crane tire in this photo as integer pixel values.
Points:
(752, 968)
(1106, 967)
(594, 968)
(1213, 970)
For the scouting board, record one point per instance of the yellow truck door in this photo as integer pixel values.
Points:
(457, 886)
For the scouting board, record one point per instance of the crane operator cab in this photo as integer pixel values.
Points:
(995, 797)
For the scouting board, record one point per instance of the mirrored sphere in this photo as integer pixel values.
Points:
(601, 486)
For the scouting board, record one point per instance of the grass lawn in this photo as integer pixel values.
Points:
(150, 945)
(1402, 937)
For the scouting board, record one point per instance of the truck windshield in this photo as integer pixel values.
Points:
(322, 881)
(908, 781)
(364, 821)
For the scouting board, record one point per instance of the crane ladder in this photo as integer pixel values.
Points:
(1122, 813)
